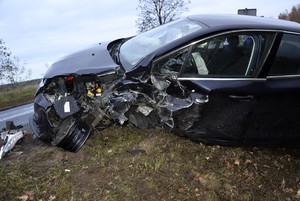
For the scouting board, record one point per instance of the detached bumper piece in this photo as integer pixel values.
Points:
(10, 137)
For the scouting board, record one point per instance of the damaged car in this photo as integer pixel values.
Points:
(217, 79)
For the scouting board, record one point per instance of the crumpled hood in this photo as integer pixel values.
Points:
(95, 59)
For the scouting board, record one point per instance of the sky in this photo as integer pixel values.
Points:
(39, 32)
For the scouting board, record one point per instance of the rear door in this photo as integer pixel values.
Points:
(276, 119)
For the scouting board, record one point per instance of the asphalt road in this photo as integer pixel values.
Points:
(19, 115)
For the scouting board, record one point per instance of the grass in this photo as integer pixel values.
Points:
(170, 168)
(17, 95)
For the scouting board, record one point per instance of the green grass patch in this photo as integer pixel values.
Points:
(12, 96)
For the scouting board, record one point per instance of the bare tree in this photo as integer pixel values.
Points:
(293, 15)
(10, 68)
(284, 16)
(157, 12)
(4, 59)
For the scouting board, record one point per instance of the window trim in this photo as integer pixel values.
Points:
(282, 76)
(221, 79)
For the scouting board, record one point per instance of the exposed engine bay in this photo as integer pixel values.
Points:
(69, 108)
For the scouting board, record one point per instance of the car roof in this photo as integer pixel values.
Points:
(218, 21)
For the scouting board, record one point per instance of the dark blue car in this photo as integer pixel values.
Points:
(218, 79)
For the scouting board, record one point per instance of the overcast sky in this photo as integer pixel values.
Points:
(39, 32)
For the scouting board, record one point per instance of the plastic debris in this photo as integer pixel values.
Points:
(11, 138)
(9, 125)
(67, 170)
(136, 151)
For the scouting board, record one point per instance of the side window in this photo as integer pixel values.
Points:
(287, 60)
(229, 55)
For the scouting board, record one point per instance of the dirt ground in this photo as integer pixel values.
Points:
(126, 163)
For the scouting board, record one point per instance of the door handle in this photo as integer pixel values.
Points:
(242, 97)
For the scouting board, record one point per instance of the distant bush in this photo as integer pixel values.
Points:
(16, 94)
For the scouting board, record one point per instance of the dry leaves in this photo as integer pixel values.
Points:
(29, 195)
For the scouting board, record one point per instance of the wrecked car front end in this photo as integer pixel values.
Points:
(70, 102)
(65, 117)
(89, 90)
(69, 107)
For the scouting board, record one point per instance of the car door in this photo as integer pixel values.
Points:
(276, 119)
(221, 68)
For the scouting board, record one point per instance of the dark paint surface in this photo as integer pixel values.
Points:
(93, 60)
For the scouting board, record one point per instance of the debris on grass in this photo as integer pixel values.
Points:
(10, 137)
(136, 151)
